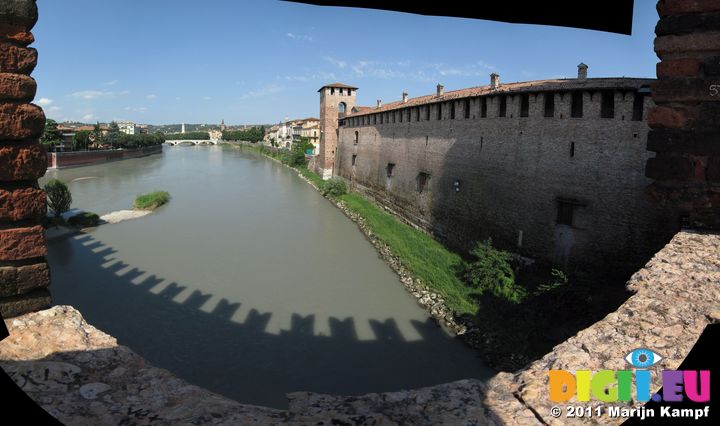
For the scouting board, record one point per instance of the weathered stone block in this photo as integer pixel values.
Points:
(686, 24)
(21, 60)
(686, 90)
(20, 13)
(15, 34)
(22, 304)
(687, 141)
(21, 121)
(711, 66)
(666, 117)
(17, 87)
(697, 42)
(22, 243)
(669, 168)
(685, 67)
(22, 203)
(27, 161)
(23, 279)
(673, 7)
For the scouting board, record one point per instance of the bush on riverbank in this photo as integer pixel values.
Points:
(59, 198)
(152, 200)
(84, 219)
(490, 271)
(333, 188)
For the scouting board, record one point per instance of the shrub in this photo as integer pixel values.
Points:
(490, 271)
(84, 219)
(333, 187)
(152, 200)
(59, 197)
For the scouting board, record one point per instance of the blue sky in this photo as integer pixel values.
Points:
(257, 61)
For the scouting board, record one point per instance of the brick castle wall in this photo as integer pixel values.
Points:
(24, 273)
(506, 177)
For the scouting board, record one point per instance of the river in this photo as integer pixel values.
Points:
(248, 283)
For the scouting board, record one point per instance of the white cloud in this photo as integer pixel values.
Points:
(153, 96)
(87, 117)
(337, 62)
(264, 91)
(43, 102)
(95, 94)
(303, 37)
(54, 108)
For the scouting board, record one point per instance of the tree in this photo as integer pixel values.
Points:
(81, 140)
(52, 135)
(113, 128)
(59, 197)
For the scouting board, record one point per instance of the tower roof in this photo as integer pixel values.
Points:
(338, 85)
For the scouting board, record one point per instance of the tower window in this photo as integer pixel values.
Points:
(354, 157)
(466, 108)
(452, 110)
(549, 104)
(503, 106)
(422, 180)
(342, 107)
(607, 104)
(576, 105)
(483, 107)
(565, 212)
(524, 105)
(638, 101)
(389, 169)
(332, 90)
(341, 91)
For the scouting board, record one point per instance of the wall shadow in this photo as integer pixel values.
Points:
(242, 360)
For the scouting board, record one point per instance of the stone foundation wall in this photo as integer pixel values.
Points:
(24, 274)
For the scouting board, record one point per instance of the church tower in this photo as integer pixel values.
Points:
(336, 100)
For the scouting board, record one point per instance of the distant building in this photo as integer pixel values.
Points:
(128, 127)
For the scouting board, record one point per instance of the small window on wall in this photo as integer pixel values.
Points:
(422, 181)
(439, 111)
(452, 110)
(502, 111)
(566, 208)
(483, 107)
(342, 107)
(466, 108)
(389, 169)
(427, 112)
(409, 113)
(400, 115)
(357, 137)
(354, 157)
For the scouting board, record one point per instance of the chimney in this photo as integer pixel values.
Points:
(379, 103)
(405, 97)
(440, 89)
(494, 81)
(582, 72)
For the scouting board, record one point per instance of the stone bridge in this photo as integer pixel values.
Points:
(192, 141)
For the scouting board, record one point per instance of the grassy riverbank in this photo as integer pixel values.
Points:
(152, 200)
(426, 258)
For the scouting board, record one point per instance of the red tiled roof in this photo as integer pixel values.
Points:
(511, 88)
(339, 85)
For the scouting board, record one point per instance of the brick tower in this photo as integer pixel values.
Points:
(335, 101)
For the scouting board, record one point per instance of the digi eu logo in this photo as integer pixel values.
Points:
(617, 385)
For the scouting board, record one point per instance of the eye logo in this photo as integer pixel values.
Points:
(642, 358)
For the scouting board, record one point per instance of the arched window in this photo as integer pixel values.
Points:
(356, 137)
(342, 107)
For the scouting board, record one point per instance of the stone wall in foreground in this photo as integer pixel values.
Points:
(24, 273)
(82, 376)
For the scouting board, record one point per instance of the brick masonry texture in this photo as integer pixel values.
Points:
(22, 203)
(503, 177)
(22, 162)
(22, 243)
(21, 121)
(21, 60)
(22, 279)
(17, 87)
(687, 95)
